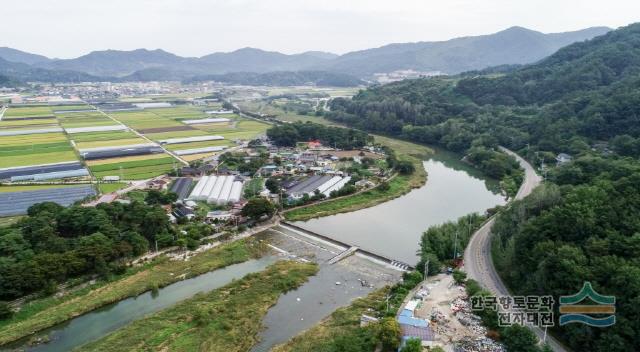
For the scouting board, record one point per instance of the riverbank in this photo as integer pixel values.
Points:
(340, 329)
(226, 319)
(44, 313)
(398, 185)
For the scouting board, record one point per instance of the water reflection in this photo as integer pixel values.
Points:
(393, 229)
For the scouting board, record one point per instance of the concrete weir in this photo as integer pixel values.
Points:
(347, 250)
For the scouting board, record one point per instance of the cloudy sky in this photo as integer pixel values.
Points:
(69, 28)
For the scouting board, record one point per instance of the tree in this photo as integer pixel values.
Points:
(5, 311)
(412, 345)
(390, 333)
(405, 167)
(459, 276)
(519, 338)
(157, 197)
(384, 186)
(273, 185)
(256, 208)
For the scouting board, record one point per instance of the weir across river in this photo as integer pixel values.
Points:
(348, 249)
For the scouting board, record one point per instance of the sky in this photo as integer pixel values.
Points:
(70, 28)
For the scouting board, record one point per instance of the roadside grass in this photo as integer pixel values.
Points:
(46, 312)
(228, 319)
(398, 185)
(340, 325)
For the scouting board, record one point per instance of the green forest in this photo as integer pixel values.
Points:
(289, 134)
(54, 244)
(583, 224)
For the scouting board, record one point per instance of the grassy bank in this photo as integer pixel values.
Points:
(44, 313)
(399, 185)
(341, 330)
(227, 319)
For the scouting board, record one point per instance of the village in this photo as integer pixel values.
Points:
(215, 190)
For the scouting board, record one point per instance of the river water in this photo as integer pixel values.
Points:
(393, 229)
(100, 322)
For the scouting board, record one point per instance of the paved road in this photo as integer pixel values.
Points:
(477, 256)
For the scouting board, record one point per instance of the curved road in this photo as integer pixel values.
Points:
(477, 256)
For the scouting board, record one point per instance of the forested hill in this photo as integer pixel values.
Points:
(589, 89)
(609, 60)
(582, 225)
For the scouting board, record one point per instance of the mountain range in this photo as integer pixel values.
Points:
(515, 45)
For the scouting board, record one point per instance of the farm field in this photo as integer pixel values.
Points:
(136, 169)
(34, 149)
(28, 111)
(143, 119)
(24, 188)
(84, 119)
(110, 187)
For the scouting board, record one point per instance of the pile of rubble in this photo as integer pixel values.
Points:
(480, 344)
(462, 311)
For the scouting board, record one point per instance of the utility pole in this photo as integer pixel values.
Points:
(455, 246)
(426, 269)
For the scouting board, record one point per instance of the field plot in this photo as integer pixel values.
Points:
(35, 149)
(89, 118)
(180, 112)
(139, 120)
(128, 169)
(27, 111)
(17, 203)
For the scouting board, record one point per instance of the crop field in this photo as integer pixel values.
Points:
(144, 119)
(27, 111)
(182, 146)
(17, 123)
(124, 159)
(111, 143)
(84, 119)
(24, 188)
(180, 112)
(131, 172)
(36, 149)
(176, 134)
(102, 136)
(133, 167)
(75, 107)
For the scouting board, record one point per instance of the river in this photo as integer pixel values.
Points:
(393, 229)
(100, 322)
